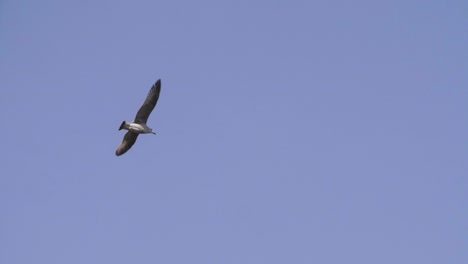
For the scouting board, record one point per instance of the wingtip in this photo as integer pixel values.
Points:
(119, 152)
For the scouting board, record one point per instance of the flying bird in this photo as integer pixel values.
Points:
(138, 126)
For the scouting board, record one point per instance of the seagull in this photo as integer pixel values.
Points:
(138, 126)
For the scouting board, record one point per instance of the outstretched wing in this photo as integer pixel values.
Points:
(149, 104)
(127, 142)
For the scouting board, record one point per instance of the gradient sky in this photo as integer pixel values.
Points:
(288, 132)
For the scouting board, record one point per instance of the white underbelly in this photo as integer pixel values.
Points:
(139, 128)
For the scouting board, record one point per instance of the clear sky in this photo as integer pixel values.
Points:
(288, 132)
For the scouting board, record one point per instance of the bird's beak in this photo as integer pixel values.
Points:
(154, 133)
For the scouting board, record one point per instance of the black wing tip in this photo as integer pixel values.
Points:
(157, 84)
(120, 152)
(155, 90)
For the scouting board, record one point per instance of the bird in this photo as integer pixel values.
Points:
(138, 126)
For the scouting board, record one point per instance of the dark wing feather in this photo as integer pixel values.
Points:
(149, 104)
(127, 142)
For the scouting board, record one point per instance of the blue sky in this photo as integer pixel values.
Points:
(288, 132)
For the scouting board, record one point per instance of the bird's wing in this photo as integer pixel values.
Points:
(149, 104)
(127, 142)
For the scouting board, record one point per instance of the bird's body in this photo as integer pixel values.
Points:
(138, 126)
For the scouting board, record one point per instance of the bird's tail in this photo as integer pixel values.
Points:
(123, 125)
